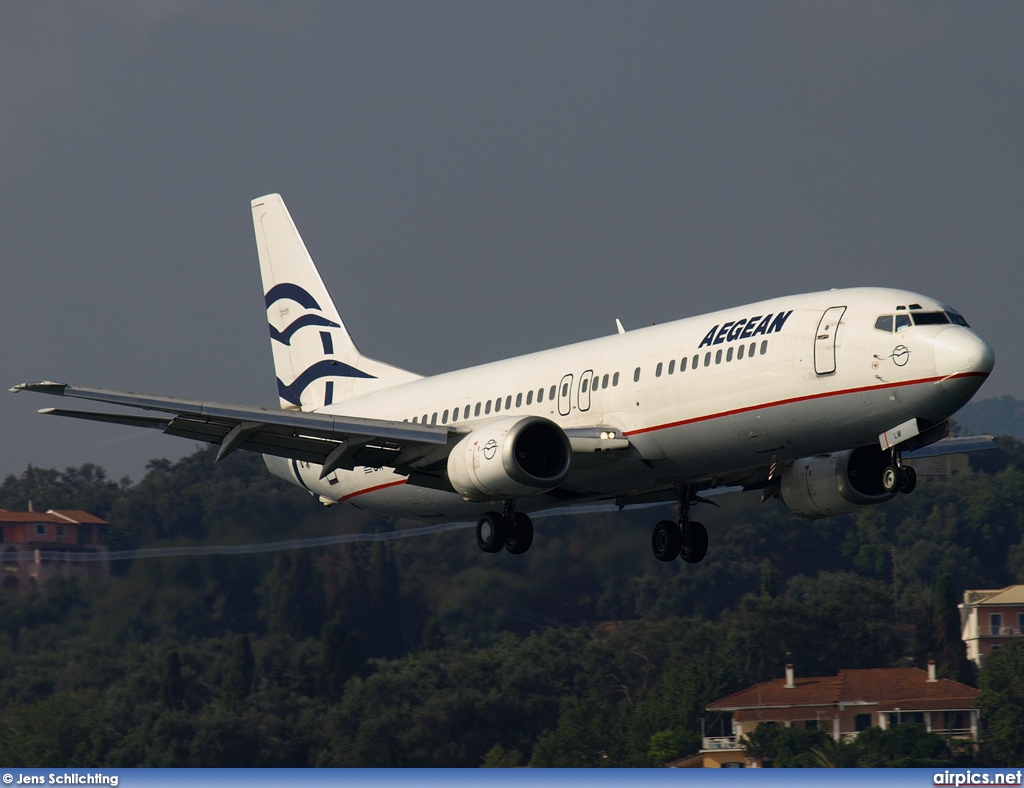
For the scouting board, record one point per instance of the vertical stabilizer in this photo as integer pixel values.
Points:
(316, 361)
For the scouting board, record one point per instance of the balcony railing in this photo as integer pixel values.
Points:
(1006, 631)
(721, 743)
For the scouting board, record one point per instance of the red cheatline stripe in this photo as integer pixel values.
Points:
(804, 398)
(371, 489)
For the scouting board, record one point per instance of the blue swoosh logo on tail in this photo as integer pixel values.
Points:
(285, 337)
(293, 292)
(322, 369)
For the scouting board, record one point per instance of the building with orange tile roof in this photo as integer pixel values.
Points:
(842, 705)
(989, 619)
(35, 546)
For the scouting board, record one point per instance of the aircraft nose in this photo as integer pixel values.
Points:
(959, 353)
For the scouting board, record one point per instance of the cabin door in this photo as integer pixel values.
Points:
(825, 340)
(565, 396)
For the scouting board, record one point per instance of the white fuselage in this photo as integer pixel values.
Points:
(699, 399)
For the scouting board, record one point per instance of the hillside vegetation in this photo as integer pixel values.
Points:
(428, 652)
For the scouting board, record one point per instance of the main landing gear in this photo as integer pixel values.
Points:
(898, 477)
(509, 529)
(684, 539)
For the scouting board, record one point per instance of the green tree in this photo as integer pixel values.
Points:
(240, 671)
(902, 746)
(499, 758)
(785, 747)
(1001, 703)
(172, 688)
(950, 650)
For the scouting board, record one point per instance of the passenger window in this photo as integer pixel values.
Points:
(465, 415)
(424, 418)
(764, 346)
(902, 321)
(615, 379)
(707, 359)
(739, 352)
(565, 389)
(540, 396)
(728, 355)
(476, 410)
(519, 400)
(671, 366)
(529, 397)
(884, 323)
(444, 417)
(636, 375)
(487, 407)
(455, 414)
(508, 402)
(583, 386)
(433, 419)
(415, 419)
(497, 405)
(551, 392)
(604, 382)
(657, 370)
(750, 352)
(695, 363)
(682, 364)
(718, 357)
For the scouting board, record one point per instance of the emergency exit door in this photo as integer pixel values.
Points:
(825, 340)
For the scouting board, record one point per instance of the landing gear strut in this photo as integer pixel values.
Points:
(509, 529)
(898, 477)
(684, 539)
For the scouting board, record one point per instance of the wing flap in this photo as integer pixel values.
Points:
(311, 437)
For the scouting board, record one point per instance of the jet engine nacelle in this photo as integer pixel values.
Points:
(839, 483)
(510, 457)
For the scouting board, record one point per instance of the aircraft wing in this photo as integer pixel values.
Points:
(332, 441)
(953, 446)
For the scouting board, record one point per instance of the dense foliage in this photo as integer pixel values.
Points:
(427, 652)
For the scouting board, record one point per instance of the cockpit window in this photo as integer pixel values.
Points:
(929, 318)
(885, 322)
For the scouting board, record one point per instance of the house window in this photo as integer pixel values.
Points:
(40, 529)
(995, 621)
(861, 722)
(60, 530)
(1020, 622)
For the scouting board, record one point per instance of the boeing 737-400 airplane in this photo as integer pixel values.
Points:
(814, 398)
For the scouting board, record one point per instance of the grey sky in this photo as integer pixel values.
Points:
(478, 180)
